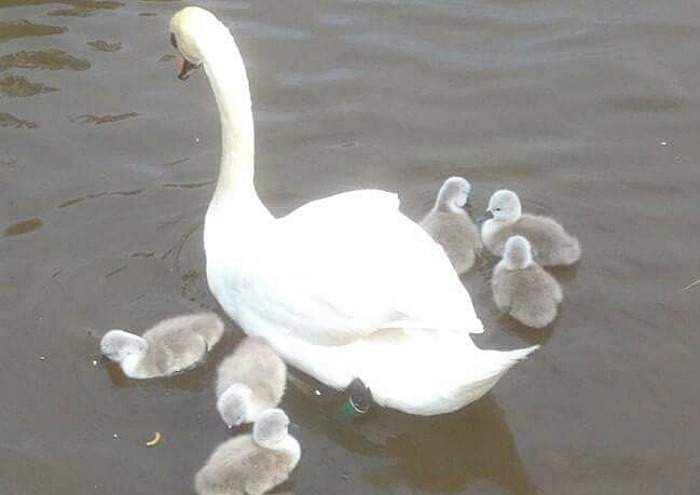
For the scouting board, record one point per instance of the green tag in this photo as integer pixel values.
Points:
(349, 411)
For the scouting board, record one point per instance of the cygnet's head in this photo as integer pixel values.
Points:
(270, 428)
(117, 345)
(190, 28)
(453, 194)
(517, 254)
(234, 403)
(504, 205)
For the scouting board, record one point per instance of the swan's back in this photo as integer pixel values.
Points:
(339, 269)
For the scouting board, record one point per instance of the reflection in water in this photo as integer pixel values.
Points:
(101, 119)
(434, 454)
(445, 453)
(24, 227)
(115, 271)
(75, 201)
(19, 86)
(21, 29)
(9, 120)
(81, 7)
(103, 46)
(51, 59)
(190, 185)
(654, 104)
(143, 254)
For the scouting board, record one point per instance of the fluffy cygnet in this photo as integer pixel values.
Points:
(173, 345)
(249, 381)
(451, 227)
(551, 244)
(524, 289)
(251, 464)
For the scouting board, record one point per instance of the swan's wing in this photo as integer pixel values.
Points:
(345, 266)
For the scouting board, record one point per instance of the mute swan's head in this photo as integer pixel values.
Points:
(453, 194)
(190, 28)
(117, 345)
(504, 205)
(270, 428)
(517, 253)
(234, 403)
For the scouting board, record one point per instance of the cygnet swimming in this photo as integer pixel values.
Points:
(450, 226)
(249, 381)
(172, 346)
(524, 289)
(551, 244)
(251, 464)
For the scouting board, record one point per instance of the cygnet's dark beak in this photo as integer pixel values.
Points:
(487, 215)
(235, 429)
(293, 428)
(185, 68)
(103, 359)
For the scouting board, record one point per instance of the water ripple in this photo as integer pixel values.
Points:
(24, 227)
(23, 29)
(51, 59)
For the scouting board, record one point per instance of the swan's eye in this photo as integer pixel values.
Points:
(497, 209)
(173, 41)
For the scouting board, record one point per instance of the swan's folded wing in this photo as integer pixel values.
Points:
(346, 266)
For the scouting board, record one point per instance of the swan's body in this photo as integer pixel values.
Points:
(448, 223)
(172, 346)
(343, 287)
(251, 464)
(250, 380)
(524, 289)
(551, 244)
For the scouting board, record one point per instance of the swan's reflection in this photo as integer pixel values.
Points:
(434, 454)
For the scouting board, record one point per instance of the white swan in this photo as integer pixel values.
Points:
(343, 287)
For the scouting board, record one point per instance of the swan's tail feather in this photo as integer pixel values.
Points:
(495, 365)
(502, 361)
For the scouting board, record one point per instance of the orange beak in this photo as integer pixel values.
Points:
(184, 68)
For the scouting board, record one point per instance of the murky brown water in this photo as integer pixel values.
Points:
(590, 110)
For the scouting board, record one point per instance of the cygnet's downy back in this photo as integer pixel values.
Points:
(450, 226)
(172, 346)
(522, 288)
(249, 381)
(251, 464)
(551, 244)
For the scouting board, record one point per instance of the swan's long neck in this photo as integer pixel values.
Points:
(227, 75)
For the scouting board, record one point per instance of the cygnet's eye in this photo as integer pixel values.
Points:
(173, 41)
(497, 209)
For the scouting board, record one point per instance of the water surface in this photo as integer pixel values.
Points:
(590, 110)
